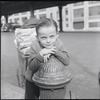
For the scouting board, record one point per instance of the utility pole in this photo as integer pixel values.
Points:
(6, 18)
(60, 15)
(31, 9)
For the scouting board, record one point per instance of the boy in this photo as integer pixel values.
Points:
(47, 43)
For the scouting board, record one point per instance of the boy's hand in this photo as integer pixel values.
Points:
(47, 51)
(46, 58)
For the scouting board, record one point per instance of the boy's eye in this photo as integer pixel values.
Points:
(43, 37)
(52, 36)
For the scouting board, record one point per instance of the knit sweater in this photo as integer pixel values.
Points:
(36, 59)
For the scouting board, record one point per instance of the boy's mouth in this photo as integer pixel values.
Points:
(49, 45)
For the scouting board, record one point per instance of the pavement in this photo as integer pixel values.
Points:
(84, 52)
(9, 91)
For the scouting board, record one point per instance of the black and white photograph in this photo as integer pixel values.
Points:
(50, 49)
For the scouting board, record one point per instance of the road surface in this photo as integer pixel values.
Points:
(84, 52)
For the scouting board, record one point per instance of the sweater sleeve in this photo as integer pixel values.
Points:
(34, 53)
(35, 58)
(61, 53)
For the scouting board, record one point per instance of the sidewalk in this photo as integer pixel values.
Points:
(84, 53)
(9, 91)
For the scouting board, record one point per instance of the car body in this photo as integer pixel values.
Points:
(9, 27)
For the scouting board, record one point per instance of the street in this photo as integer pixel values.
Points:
(84, 52)
(9, 58)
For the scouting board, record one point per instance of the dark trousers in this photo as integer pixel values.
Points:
(31, 90)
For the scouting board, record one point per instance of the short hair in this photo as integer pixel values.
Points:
(46, 22)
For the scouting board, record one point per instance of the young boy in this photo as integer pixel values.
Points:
(46, 44)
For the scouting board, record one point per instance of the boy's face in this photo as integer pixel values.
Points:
(47, 36)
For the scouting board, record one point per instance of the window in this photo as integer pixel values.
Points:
(10, 20)
(51, 16)
(24, 19)
(94, 11)
(67, 25)
(66, 11)
(66, 19)
(16, 20)
(78, 13)
(42, 15)
(78, 25)
(94, 24)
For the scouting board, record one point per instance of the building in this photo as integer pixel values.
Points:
(46, 12)
(82, 16)
(19, 17)
(52, 12)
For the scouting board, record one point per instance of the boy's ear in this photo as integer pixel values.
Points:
(37, 37)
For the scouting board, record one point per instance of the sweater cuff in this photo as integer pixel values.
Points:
(58, 52)
(39, 57)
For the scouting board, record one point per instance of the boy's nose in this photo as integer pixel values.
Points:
(48, 40)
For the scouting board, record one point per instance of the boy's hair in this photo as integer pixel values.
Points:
(46, 22)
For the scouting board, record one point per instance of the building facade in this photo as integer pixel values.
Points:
(52, 12)
(77, 16)
(81, 16)
(19, 17)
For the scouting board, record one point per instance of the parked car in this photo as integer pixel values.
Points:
(9, 27)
